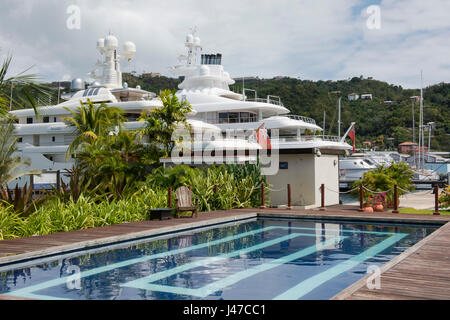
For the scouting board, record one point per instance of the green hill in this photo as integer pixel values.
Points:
(375, 120)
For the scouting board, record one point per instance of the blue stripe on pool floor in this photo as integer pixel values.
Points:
(51, 283)
(205, 291)
(315, 281)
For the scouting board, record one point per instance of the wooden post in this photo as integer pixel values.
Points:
(169, 200)
(361, 198)
(263, 201)
(289, 197)
(322, 194)
(32, 182)
(58, 180)
(436, 200)
(395, 199)
(216, 189)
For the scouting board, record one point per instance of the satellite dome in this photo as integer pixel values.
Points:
(204, 70)
(77, 84)
(226, 75)
(125, 85)
(95, 84)
(129, 49)
(190, 38)
(138, 87)
(197, 41)
(111, 42)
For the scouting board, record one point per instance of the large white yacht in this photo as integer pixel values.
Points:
(206, 87)
(303, 160)
(44, 139)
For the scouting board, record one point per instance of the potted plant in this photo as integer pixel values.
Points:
(379, 202)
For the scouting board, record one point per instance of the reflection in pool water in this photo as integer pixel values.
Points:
(261, 259)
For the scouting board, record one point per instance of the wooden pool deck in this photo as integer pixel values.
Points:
(421, 272)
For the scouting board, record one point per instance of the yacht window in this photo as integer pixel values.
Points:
(85, 93)
(46, 119)
(54, 119)
(233, 117)
(53, 139)
(29, 120)
(20, 140)
(95, 91)
(223, 117)
(355, 163)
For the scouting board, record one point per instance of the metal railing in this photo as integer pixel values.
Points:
(301, 118)
(267, 100)
(308, 138)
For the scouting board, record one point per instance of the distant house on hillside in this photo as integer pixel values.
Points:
(367, 96)
(353, 97)
(410, 147)
(388, 102)
(151, 75)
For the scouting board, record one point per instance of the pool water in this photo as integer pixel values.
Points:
(259, 259)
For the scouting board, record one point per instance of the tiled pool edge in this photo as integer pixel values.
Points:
(347, 292)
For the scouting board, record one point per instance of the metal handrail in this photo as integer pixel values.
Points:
(301, 118)
(269, 101)
(309, 138)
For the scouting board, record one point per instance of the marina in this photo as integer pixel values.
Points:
(246, 154)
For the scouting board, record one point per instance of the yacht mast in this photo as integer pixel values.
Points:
(421, 128)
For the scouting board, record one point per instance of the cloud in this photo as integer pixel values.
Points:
(310, 39)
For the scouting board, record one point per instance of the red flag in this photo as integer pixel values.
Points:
(262, 137)
(352, 135)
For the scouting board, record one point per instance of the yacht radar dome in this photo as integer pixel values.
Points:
(190, 39)
(77, 84)
(111, 42)
(129, 50)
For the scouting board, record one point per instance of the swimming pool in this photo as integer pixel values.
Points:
(256, 259)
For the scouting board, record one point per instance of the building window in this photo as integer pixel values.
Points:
(46, 119)
(29, 120)
(53, 139)
(284, 165)
(54, 119)
(20, 140)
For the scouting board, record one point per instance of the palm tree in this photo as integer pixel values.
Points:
(19, 91)
(90, 122)
(9, 164)
(161, 123)
(114, 161)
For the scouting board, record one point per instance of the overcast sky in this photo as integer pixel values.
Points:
(309, 39)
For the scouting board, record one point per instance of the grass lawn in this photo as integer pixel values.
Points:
(415, 211)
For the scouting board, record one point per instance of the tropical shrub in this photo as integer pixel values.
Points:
(382, 180)
(444, 198)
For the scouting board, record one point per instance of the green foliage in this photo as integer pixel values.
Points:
(9, 164)
(161, 123)
(24, 87)
(383, 179)
(444, 198)
(90, 122)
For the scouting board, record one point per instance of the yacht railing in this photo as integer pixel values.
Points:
(301, 118)
(267, 100)
(309, 138)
